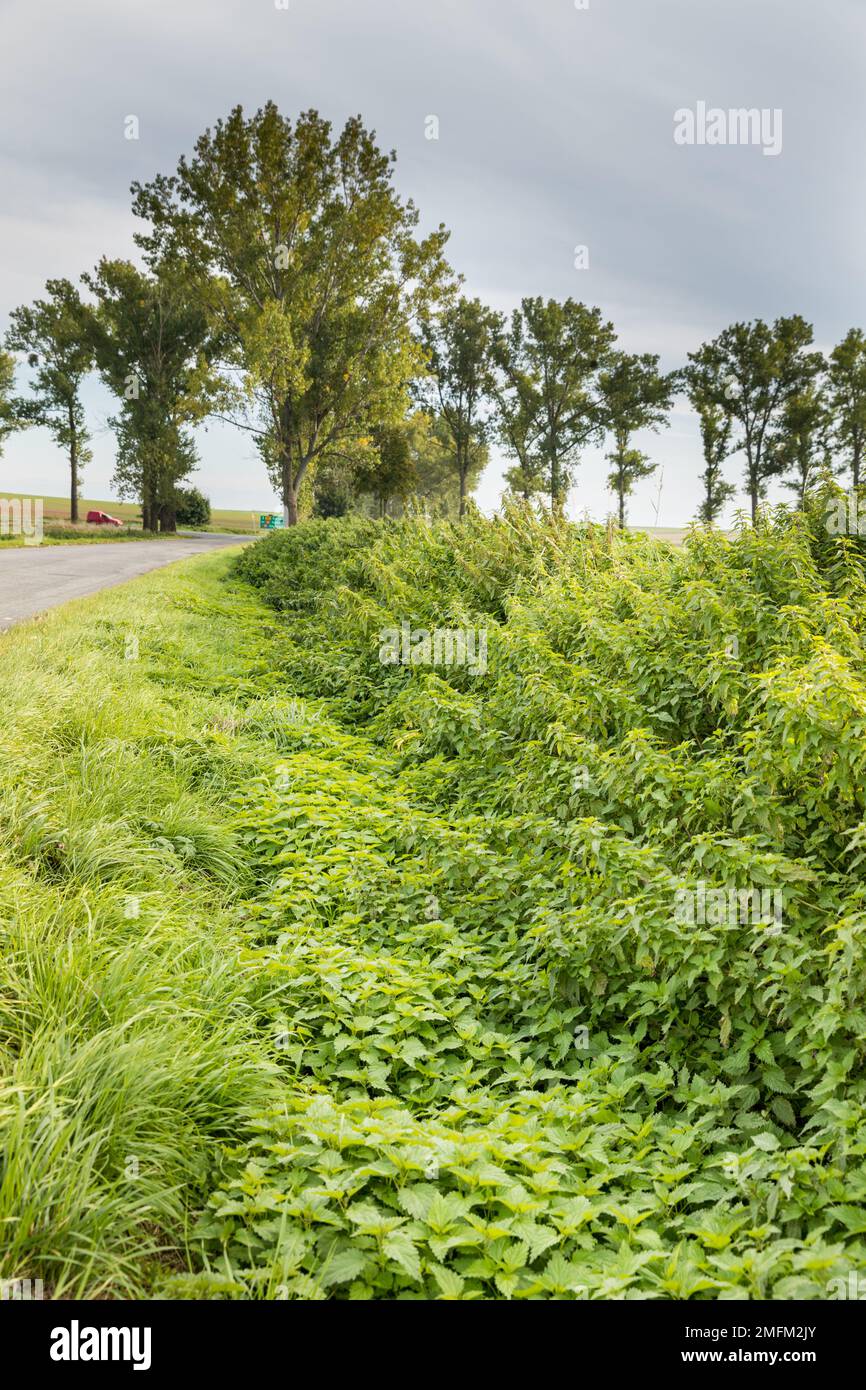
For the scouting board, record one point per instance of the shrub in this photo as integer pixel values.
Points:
(193, 508)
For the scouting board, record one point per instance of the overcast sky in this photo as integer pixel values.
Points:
(556, 129)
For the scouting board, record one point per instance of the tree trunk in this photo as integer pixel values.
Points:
(855, 465)
(167, 518)
(753, 486)
(290, 496)
(149, 506)
(621, 507)
(462, 492)
(73, 469)
(554, 478)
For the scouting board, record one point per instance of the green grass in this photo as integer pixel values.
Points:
(128, 1043)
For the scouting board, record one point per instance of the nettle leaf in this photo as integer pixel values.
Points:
(451, 1284)
(766, 1141)
(413, 1050)
(401, 1248)
(347, 1264)
(854, 1218)
(563, 1277)
(371, 1220)
(774, 1078)
(783, 1111)
(445, 1211)
(537, 1238)
(416, 1199)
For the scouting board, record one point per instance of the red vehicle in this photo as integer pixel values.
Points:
(103, 519)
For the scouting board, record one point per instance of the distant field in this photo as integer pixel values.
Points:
(674, 535)
(57, 509)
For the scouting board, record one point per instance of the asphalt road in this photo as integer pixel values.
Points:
(33, 578)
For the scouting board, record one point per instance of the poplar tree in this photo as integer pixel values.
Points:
(298, 241)
(459, 346)
(635, 396)
(546, 393)
(51, 332)
(751, 370)
(847, 400)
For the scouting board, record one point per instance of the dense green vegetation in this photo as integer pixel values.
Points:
(410, 1008)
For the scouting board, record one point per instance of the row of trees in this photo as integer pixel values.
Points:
(552, 381)
(763, 391)
(149, 341)
(544, 385)
(285, 287)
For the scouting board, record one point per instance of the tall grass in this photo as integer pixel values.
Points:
(128, 1047)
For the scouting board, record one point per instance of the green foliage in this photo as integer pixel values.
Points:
(410, 1010)
(511, 1070)
(751, 371)
(635, 395)
(154, 348)
(546, 394)
(9, 415)
(459, 348)
(299, 241)
(803, 440)
(51, 333)
(400, 468)
(438, 483)
(846, 371)
(386, 469)
(193, 508)
(715, 426)
(127, 1052)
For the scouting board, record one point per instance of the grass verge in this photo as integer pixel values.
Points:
(128, 1044)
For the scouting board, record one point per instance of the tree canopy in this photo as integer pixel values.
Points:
(154, 348)
(309, 260)
(52, 334)
(751, 370)
(546, 393)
